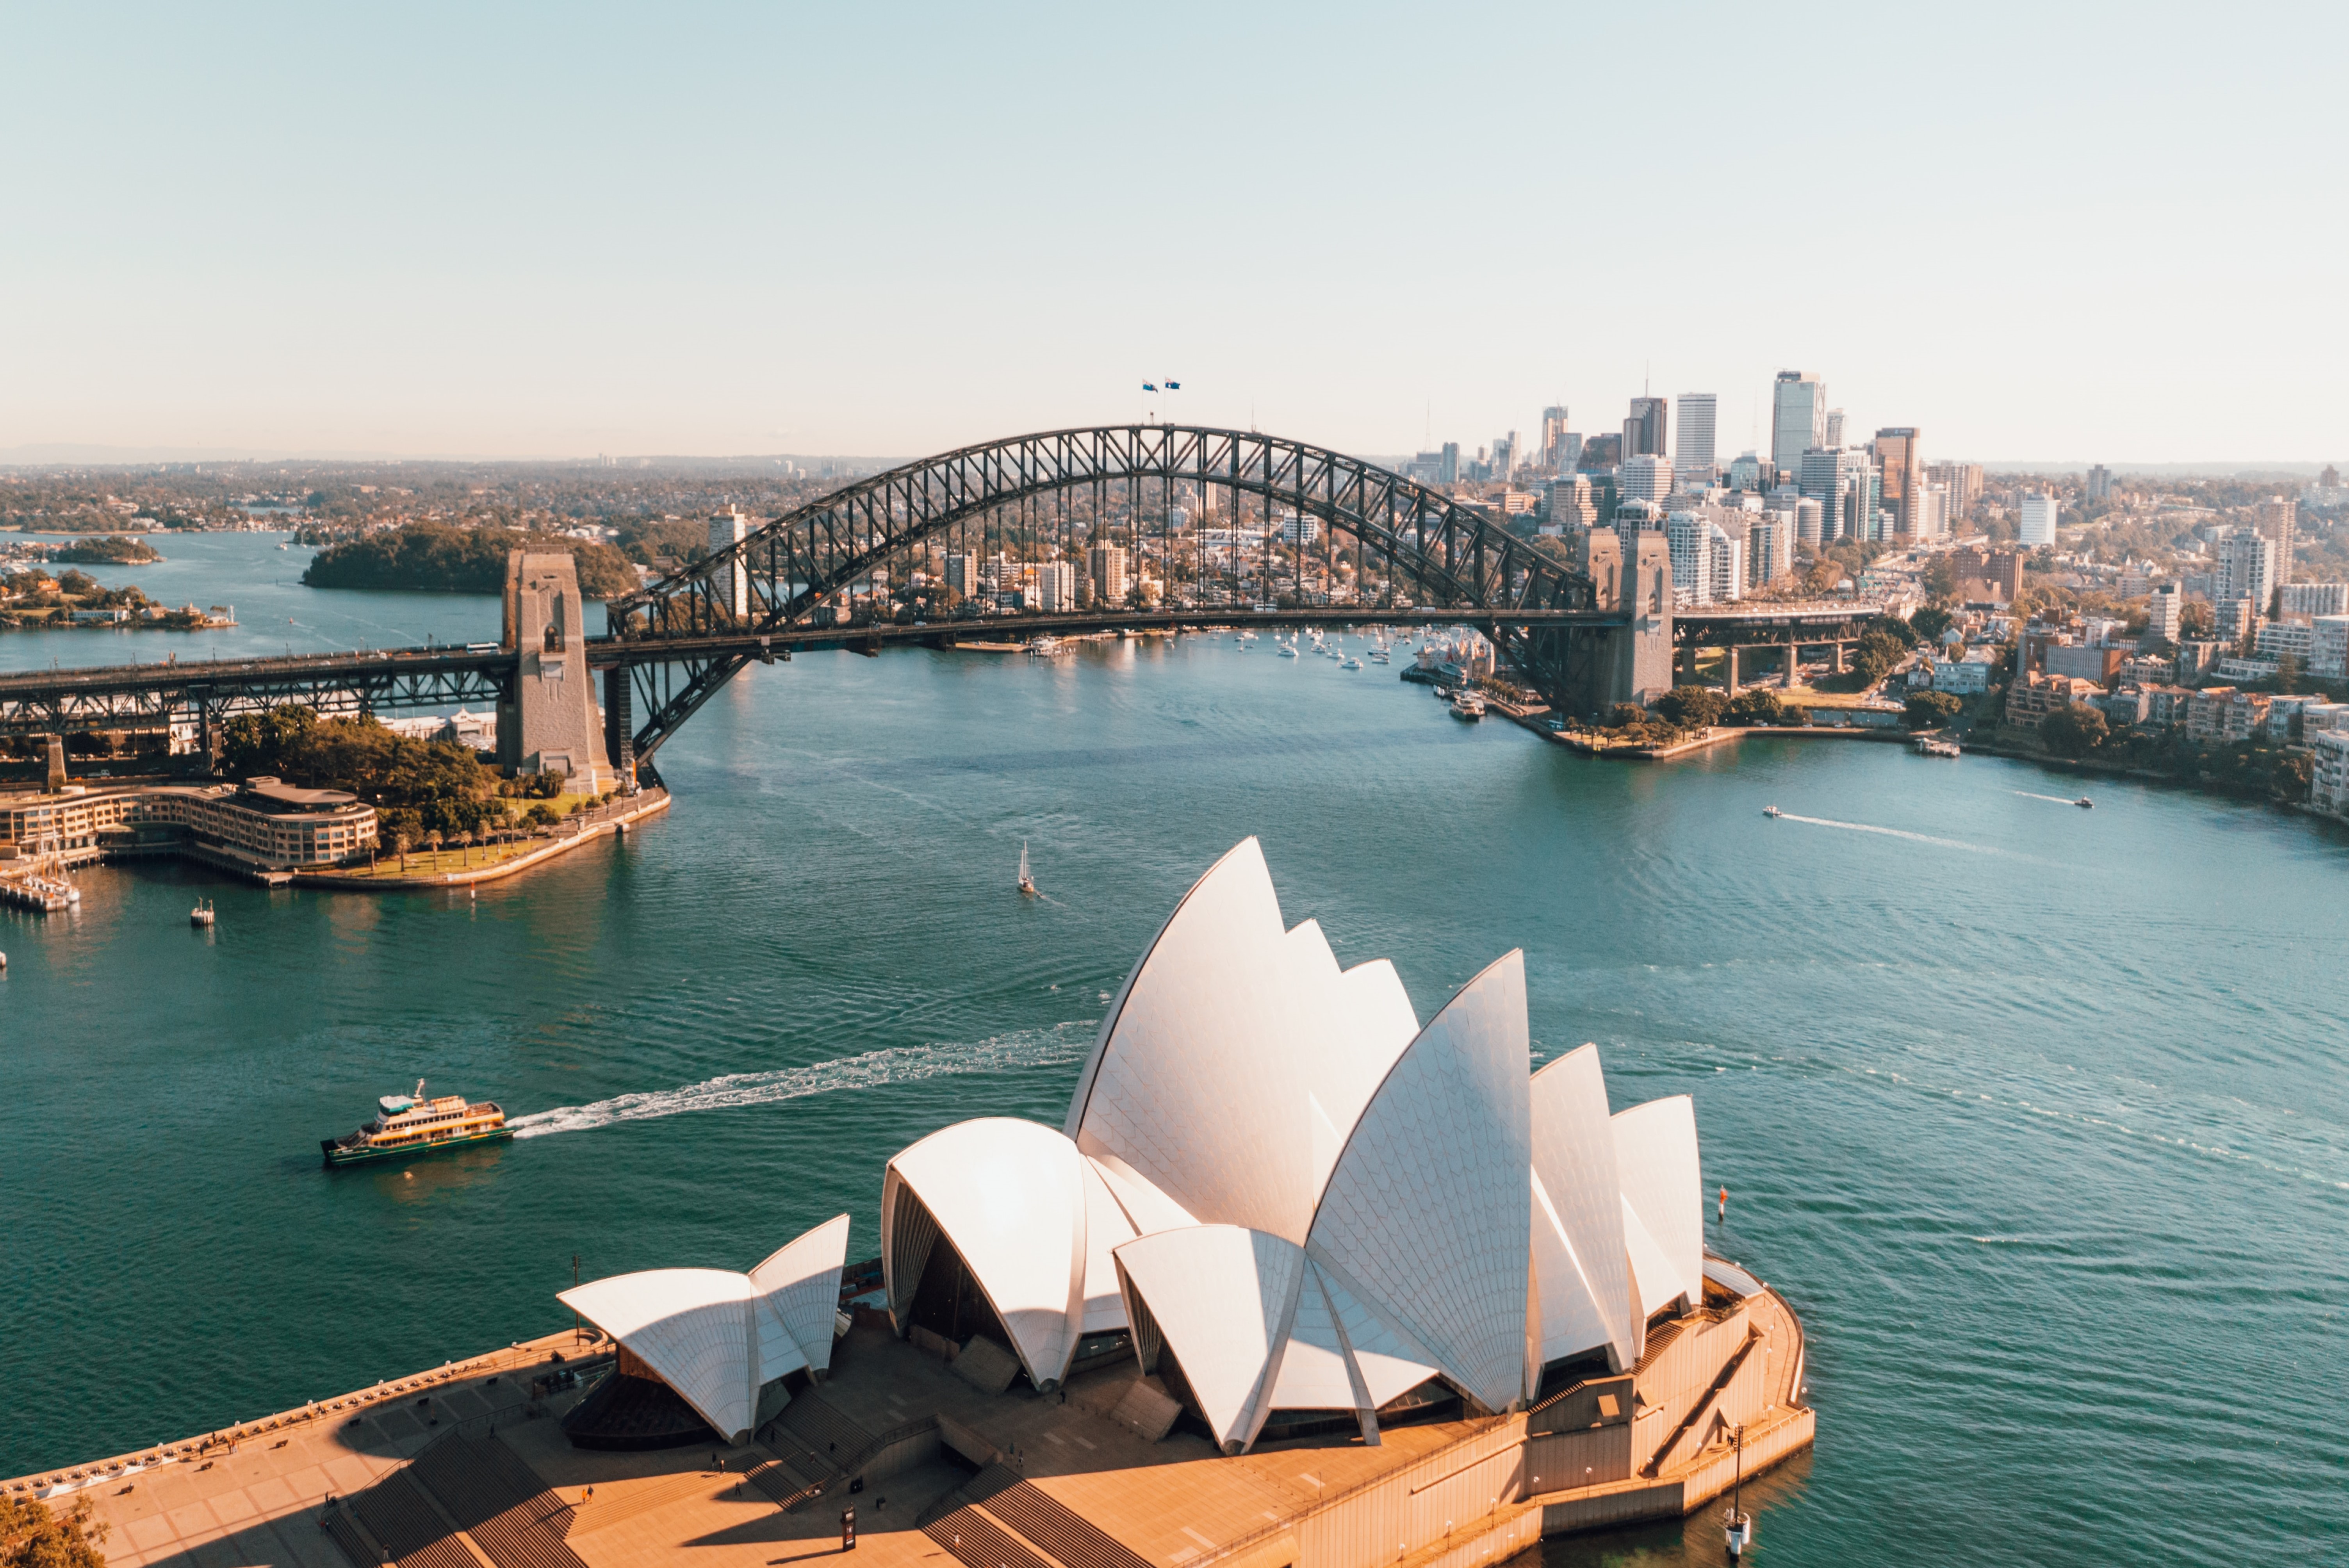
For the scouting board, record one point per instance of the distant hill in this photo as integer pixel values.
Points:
(434, 558)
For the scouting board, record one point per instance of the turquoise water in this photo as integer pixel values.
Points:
(2036, 1114)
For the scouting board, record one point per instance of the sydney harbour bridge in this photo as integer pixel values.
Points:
(1584, 635)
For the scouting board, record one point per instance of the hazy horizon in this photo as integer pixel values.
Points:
(740, 229)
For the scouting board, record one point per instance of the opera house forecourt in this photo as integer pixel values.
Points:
(1298, 1282)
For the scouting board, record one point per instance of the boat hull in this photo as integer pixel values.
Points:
(336, 1156)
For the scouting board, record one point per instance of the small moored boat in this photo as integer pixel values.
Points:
(410, 1124)
(202, 914)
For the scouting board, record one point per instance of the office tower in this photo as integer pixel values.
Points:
(732, 585)
(1568, 455)
(1553, 432)
(1698, 412)
(2037, 523)
(1056, 587)
(1600, 453)
(1449, 473)
(1745, 472)
(2277, 520)
(1107, 565)
(1833, 435)
(2247, 568)
(2100, 483)
(1645, 478)
(1505, 450)
(1903, 470)
(1932, 510)
(1769, 547)
(962, 574)
(1644, 432)
(1798, 409)
(1843, 481)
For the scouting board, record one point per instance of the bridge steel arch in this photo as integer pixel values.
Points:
(1435, 552)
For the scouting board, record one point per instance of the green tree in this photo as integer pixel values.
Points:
(33, 1535)
(1931, 622)
(1758, 706)
(1690, 706)
(1931, 709)
(2074, 731)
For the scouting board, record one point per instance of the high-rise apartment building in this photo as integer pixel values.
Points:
(1448, 473)
(1644, 477)
(1769, 547)
(2306, 599)
(1798, 418)
(1904, 473)
(1833, 434)
(727, 528)
(1708, 559)
(1645, 431)
(962, 574)
(2166, 612)
(1932, 511)
(2035, 525)
(2100, 483)
(1106, 562)
(1056, 587)
(2278, 520)
(2246, 569)
(1965, 485)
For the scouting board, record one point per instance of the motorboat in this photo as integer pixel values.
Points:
(1352, 665)
(2085, 803)
(1772, 811)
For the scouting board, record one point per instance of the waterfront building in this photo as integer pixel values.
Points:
(2165, 705)
(2329, 789)
(1798, 419)
(1963, 677)
(2277, 522)
(2328, 649)
(2247, 567)
(2035, 522)
(1644, 477)
(2166, 612)
(1107, 566)
(2034, 696)
(2303, 600)
(1899, 459)
(732, 583)
(2225, 714)
(262, 825)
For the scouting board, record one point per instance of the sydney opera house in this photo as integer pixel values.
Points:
(1282, 1217)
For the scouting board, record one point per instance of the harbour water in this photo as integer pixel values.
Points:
(2036, 1114)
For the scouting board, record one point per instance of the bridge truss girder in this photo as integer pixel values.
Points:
(152, 698)
(1436, 551)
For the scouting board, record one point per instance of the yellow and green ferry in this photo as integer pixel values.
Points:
(412, 1124)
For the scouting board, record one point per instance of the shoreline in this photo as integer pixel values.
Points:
(651, 803)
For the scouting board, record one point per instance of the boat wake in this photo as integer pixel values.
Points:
(1892, 833)
(1062, 1043)
(2059, 800)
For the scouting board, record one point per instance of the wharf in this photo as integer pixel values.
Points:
(466, 1466)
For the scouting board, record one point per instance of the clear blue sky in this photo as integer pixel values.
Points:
(2035, 230)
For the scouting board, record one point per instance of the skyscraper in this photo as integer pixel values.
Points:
(1904, 474)
(1833, 435)
(2246, 569)
(1694, 457)
(1644, 432)
(1553, 432)
(1644, 477)
(1965, 482)
(2100, 483)
(2037, 525)
(1769, 547)
(1798, 408)
(1844, 483)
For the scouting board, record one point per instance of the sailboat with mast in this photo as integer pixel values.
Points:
(1027, 882)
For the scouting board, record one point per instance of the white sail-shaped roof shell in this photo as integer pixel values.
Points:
(693, 1328)
(1233, 1060)
(1428, 1212)
(796, 1296)
(1011, 1197)
(1577, 1219)
(1223, 1298)
(1656, 1152)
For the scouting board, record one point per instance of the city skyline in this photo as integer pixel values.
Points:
(740, 231)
